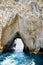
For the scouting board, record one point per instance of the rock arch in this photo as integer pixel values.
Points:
(26, 22)
(9, 33)
(11, 43)
(20, 29)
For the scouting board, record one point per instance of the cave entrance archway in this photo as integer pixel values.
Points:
(19, 44)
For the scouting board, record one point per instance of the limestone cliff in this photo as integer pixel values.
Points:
(24, 17)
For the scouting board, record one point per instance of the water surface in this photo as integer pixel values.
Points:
(20, 58)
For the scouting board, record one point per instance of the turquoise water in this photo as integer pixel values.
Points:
(20, 58)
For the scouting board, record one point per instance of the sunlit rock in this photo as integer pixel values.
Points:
(22, 19)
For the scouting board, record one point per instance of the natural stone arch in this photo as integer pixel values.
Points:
(30, 25)
(10, 33)
(11, 43)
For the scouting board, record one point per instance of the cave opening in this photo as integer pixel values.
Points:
(19, 44)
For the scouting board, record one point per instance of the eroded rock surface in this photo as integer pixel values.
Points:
(24, 17)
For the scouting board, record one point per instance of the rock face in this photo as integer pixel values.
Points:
(22, 19)
(8, 26)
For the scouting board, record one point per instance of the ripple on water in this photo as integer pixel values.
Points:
(20, 58)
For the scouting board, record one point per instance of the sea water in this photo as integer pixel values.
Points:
(20, 58)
